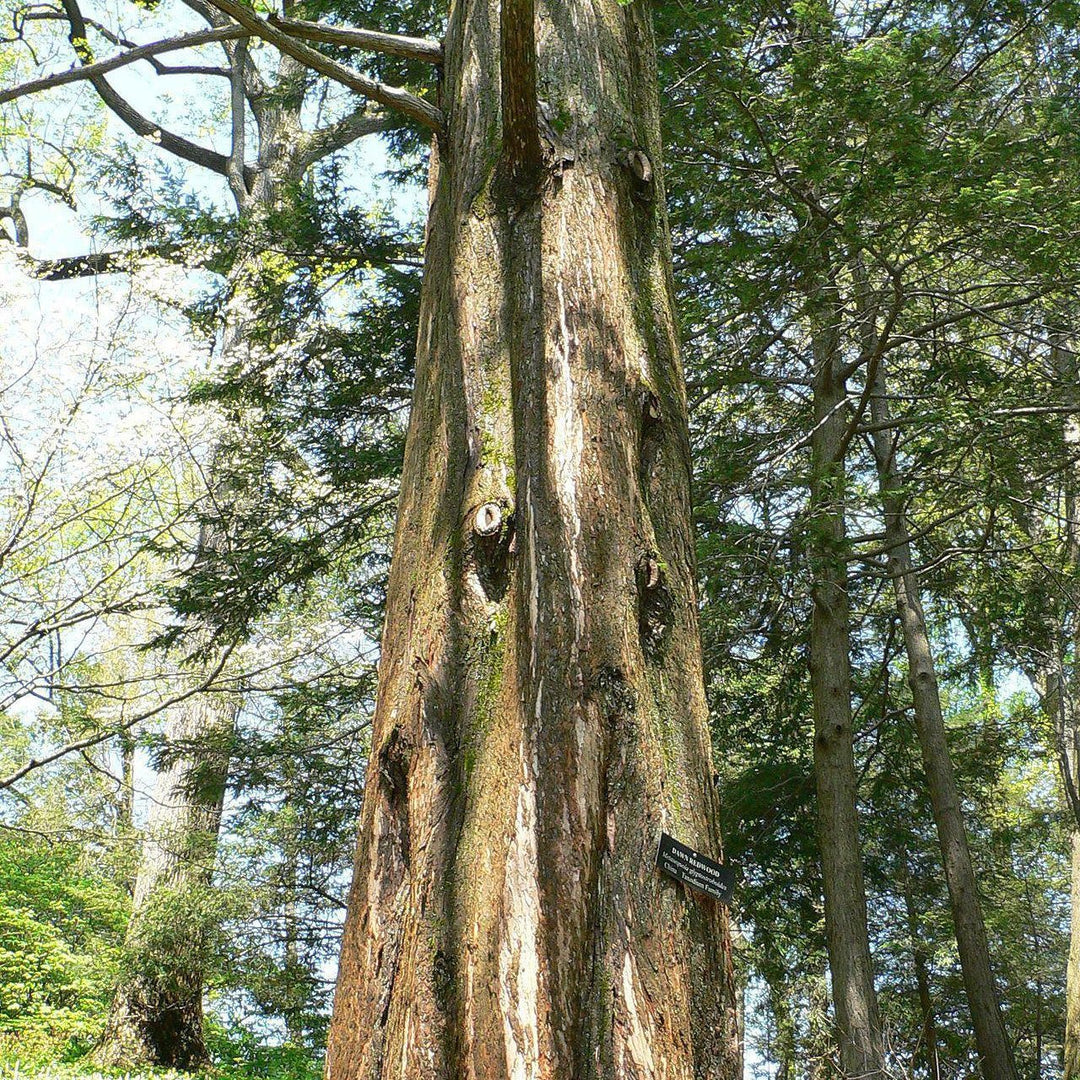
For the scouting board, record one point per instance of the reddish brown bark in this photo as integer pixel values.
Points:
(541, 714)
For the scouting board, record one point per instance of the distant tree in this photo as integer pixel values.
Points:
(157, 1014)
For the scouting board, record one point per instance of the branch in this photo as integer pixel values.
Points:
(12, 213)
(425, 50)
(520, 135)
(391, 96)
(253, 81)
(318, 144)
(968, 311)
(141, 52)
(236, 100)
(173, 144)
(79, 266)
(100, 737)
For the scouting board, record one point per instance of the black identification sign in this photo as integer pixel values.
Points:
(694, 869)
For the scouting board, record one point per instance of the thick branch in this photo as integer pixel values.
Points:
(411, 48)
(391, 96)
(13, 214)
(237, 99)
(141, 52)
(79, 266)
(521, 135)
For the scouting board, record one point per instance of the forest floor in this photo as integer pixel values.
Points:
(233, 1061)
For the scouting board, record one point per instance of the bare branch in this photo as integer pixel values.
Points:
(411, 48)
(173, 144)
(100, 737)
(141, 52)
(391, 96)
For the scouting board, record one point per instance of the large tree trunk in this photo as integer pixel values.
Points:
(156, 1015)
(1072, 978)
(854, 998)
(994, 1048)
(541, 715)
(1051, 681)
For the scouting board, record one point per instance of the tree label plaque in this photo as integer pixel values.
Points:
(694, 869)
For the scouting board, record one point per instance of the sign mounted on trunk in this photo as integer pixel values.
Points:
(694, 869)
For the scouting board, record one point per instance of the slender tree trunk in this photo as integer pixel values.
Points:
(854, 998)
(929, 1047)
(782, 1003)
(995, 1050)
(126, 802)
(819, 1058)
(541, 715)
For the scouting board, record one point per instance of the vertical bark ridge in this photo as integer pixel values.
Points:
(573, 726)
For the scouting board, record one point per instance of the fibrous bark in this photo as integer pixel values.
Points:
(1060, 689)
(1071, 1064)
(541, 715)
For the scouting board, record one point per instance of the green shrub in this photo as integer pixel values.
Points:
(61, 930)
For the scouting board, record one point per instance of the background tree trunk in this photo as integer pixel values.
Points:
(541, 715)
(156, 1014)
(994, 1048)
(854, 998)
(928, 1048)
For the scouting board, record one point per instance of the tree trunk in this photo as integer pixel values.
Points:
(1072, 980)
(156, 1014)
(928, 1050)
(1059, 698)
(994, 1048)
(541, 715)
(854, 998)
(126, 801)
(783, 1049)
